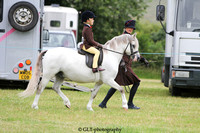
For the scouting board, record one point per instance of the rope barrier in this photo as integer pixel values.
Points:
(120, 53)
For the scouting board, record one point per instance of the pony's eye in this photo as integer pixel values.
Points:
(133, 46)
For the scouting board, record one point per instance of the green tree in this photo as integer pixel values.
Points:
(111, 14)
(152, 42)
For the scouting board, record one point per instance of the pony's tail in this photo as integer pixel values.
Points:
(33, 83)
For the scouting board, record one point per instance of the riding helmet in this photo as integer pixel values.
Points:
(130, 24)
(86, 15)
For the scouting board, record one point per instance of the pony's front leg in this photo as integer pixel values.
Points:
(93, 95)
(113, 84)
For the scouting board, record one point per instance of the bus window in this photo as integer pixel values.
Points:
(1, 10)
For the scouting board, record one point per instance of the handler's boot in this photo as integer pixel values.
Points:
(131, 96)
(108, 96)
(132, 106)
(102, 105)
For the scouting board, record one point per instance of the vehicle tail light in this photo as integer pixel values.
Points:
(28, 62)
(15, 70)
(20, 65)
(74, 32)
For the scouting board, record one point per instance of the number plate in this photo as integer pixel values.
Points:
(25, 75)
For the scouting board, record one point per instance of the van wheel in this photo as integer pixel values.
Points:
(23, 16)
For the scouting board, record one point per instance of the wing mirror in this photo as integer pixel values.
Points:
(45, 35)
(160, 13)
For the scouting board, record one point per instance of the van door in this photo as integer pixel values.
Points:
(2, 39)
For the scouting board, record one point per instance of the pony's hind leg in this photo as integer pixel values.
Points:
(93, 95)
(40, 89)
(56, 87)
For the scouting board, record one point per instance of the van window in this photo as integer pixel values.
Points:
(71, 23)
(55, 23)
(60, 40)
(1, 10)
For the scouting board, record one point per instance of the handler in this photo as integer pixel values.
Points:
(125, 75)
(88, 43)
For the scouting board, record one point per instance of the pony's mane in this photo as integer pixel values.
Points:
(122, 38)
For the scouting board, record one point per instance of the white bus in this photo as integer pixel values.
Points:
(20, 40)
(62, 24)
(182, 47)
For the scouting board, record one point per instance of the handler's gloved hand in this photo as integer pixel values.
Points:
(146, 62)
(143, 60)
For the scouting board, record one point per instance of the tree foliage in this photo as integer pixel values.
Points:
(152, 41)
(111, 14)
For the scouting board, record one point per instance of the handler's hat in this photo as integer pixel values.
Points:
(130, 24)
(86, 15)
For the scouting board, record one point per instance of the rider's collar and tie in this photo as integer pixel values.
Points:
(88, 25)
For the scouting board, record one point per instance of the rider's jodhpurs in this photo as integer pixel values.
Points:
(96, 53)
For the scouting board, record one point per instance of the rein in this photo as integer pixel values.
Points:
(132, 53)
(113, 51)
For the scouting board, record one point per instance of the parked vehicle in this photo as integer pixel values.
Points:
(182, 48)
(20, 40)
(60, 39)
(62, 24)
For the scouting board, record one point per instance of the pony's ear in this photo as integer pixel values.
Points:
(134, 35)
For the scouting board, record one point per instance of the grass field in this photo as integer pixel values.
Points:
(159, 112)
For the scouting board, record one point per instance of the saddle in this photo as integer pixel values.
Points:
(89, 57)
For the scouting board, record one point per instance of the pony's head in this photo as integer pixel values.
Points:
(132, 46)
(124, 43)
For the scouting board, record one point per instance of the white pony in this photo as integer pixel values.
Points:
(67, 63)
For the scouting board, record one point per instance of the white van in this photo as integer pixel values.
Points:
(60, 39)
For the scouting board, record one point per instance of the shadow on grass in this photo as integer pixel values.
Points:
(190, 93)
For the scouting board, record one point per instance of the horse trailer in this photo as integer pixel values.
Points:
(182, 47)
(58, 18)
(20, 40)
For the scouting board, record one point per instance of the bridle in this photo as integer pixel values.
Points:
(131, 49)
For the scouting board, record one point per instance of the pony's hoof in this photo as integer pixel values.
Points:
(125, 109)
(34, 107)
(90, 109)
(68, 106)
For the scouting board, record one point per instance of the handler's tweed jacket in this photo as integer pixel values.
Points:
(125, 75)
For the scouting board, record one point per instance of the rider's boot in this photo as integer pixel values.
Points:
(94, 70)
(100, 69)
